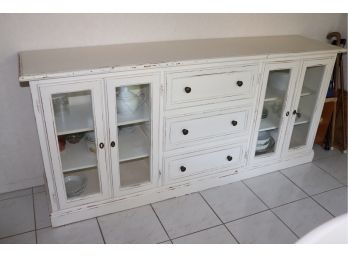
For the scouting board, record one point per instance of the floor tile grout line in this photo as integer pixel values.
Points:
(201, 230)
(14, 197)
(327, 172)
(164, 242)
(341, 185)
(312, 197)
(32, 194)
(289, 202)
(219, 218)
(67, 224)
(271, 210)
(267, 209)
(101, 231)
(1, 238)
(292, 182)
(326, 191)
(322, 207)
(153, 209)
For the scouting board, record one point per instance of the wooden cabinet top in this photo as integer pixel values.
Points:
(66, 62)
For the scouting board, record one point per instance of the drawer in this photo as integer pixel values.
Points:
(201, 163)
(193, 129)
(205, 86)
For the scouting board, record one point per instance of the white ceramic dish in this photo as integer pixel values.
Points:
(129, 99)
(263, 137)
(262, 147)
(264, 141)
(263, 150)
(75, 185)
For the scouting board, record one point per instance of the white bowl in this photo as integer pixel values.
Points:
(75, 185)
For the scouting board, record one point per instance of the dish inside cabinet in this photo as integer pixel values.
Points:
(134, 134)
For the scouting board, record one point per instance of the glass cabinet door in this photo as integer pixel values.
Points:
(274, 109)
(76, 139)
(306, 110)
(134, 137)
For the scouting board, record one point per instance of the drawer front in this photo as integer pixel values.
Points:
(191, 129)
(199, 87)
(200, 163)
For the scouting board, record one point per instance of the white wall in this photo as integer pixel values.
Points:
(20, 157)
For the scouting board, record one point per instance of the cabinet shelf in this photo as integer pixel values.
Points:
(77, 156)
(142, 114)
(132, 143)
(269, 123)
(77, 118)
(272, 94)
(303, 120)
(306, 91)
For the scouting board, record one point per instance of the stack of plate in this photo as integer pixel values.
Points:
(264, 141)
(264, 113)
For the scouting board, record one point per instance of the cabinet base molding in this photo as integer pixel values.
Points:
(89, 211)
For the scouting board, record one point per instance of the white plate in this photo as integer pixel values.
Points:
(263, 142)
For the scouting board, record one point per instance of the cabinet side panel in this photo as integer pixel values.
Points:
(40, 123)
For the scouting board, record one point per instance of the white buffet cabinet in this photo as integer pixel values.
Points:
(126, 125)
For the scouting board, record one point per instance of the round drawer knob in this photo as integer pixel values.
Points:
(287, 113)
(229, 158)
(182, 168)
(113, 144)
(234, 123)
(185, 131)
(239, 83)
(187, 89)
(101, 145)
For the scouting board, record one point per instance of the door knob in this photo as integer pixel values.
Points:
(187, 90)
(234, 123)
(182, 168)
(239, 83)
(113, 144)
(185, 131)
(101, 145)
(229, 158)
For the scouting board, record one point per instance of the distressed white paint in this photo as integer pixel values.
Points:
(207, 162)
(102, 59)
(20, 156)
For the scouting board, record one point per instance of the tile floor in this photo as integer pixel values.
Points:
(278, 207)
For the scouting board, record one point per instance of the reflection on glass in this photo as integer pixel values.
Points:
(305, 111)
(277, 86)
(76, 141)
(134, 134)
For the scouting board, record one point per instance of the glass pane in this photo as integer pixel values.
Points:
(277, 86)
(134, 134)
(305, 110)
(76, 139)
